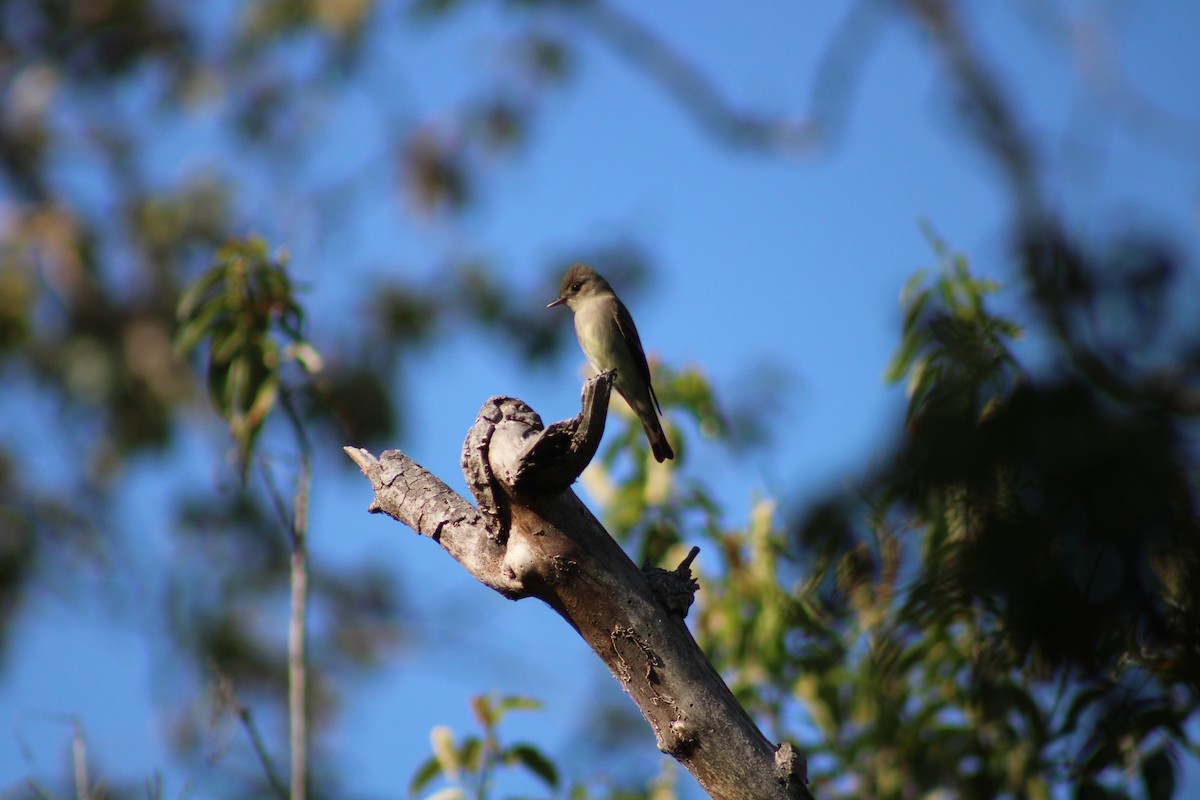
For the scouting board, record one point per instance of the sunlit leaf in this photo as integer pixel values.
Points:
(429, 769)
(444, 751)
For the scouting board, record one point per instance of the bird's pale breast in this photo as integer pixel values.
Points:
(599, 336)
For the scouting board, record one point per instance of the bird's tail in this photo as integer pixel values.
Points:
(658, 442)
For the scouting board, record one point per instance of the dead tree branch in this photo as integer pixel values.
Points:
(532, 537)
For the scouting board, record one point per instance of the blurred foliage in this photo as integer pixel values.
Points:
(103, 223)
(468, 766)
(663, 786)
(245, 314)
(226, 605)
(1006, 607)
(241, 309)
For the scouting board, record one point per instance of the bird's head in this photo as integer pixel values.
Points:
(580, 283)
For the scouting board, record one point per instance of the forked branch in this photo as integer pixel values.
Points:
(532, 537)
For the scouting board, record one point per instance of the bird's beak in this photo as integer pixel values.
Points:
(557, 302)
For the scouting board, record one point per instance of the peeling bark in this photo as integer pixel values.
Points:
(532, 537)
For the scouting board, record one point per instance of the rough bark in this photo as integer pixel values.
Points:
(532, 537)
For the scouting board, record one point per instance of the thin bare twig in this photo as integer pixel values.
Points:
(297, 626)
(692, 88)
(277, 501)
(79, 761)
(230, 699)
(841, 63)
(37, 790)
(297, 637)
(295, 523)
(296, 529)
(994, 123)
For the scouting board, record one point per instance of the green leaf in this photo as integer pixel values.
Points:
(235, 388)
(481, 706)
(227, 343)
(533, 760)
(470, 752)
(1158, 775)
(192, 296)
(515, 702)
(429, 769)
(265, 395)
(197, 327)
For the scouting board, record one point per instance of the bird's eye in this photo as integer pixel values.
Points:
(575, 287)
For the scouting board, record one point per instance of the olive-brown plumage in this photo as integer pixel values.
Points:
(610, 340)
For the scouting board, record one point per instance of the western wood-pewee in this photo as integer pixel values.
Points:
(610, 341)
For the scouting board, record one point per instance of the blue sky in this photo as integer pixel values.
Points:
(788, 264)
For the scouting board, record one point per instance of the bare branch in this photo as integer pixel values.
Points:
(533, 537)
(295, 524)
(692, 88)
(230, 699)
(297, 639)
(79, 761)
(298, 622)
(995, 124)
(840, 65)
(405, 491)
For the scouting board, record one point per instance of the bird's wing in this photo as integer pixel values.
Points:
(630, 334)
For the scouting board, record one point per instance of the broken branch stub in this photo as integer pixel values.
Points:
(530, 460)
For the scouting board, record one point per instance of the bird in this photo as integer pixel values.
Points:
(610, 341)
